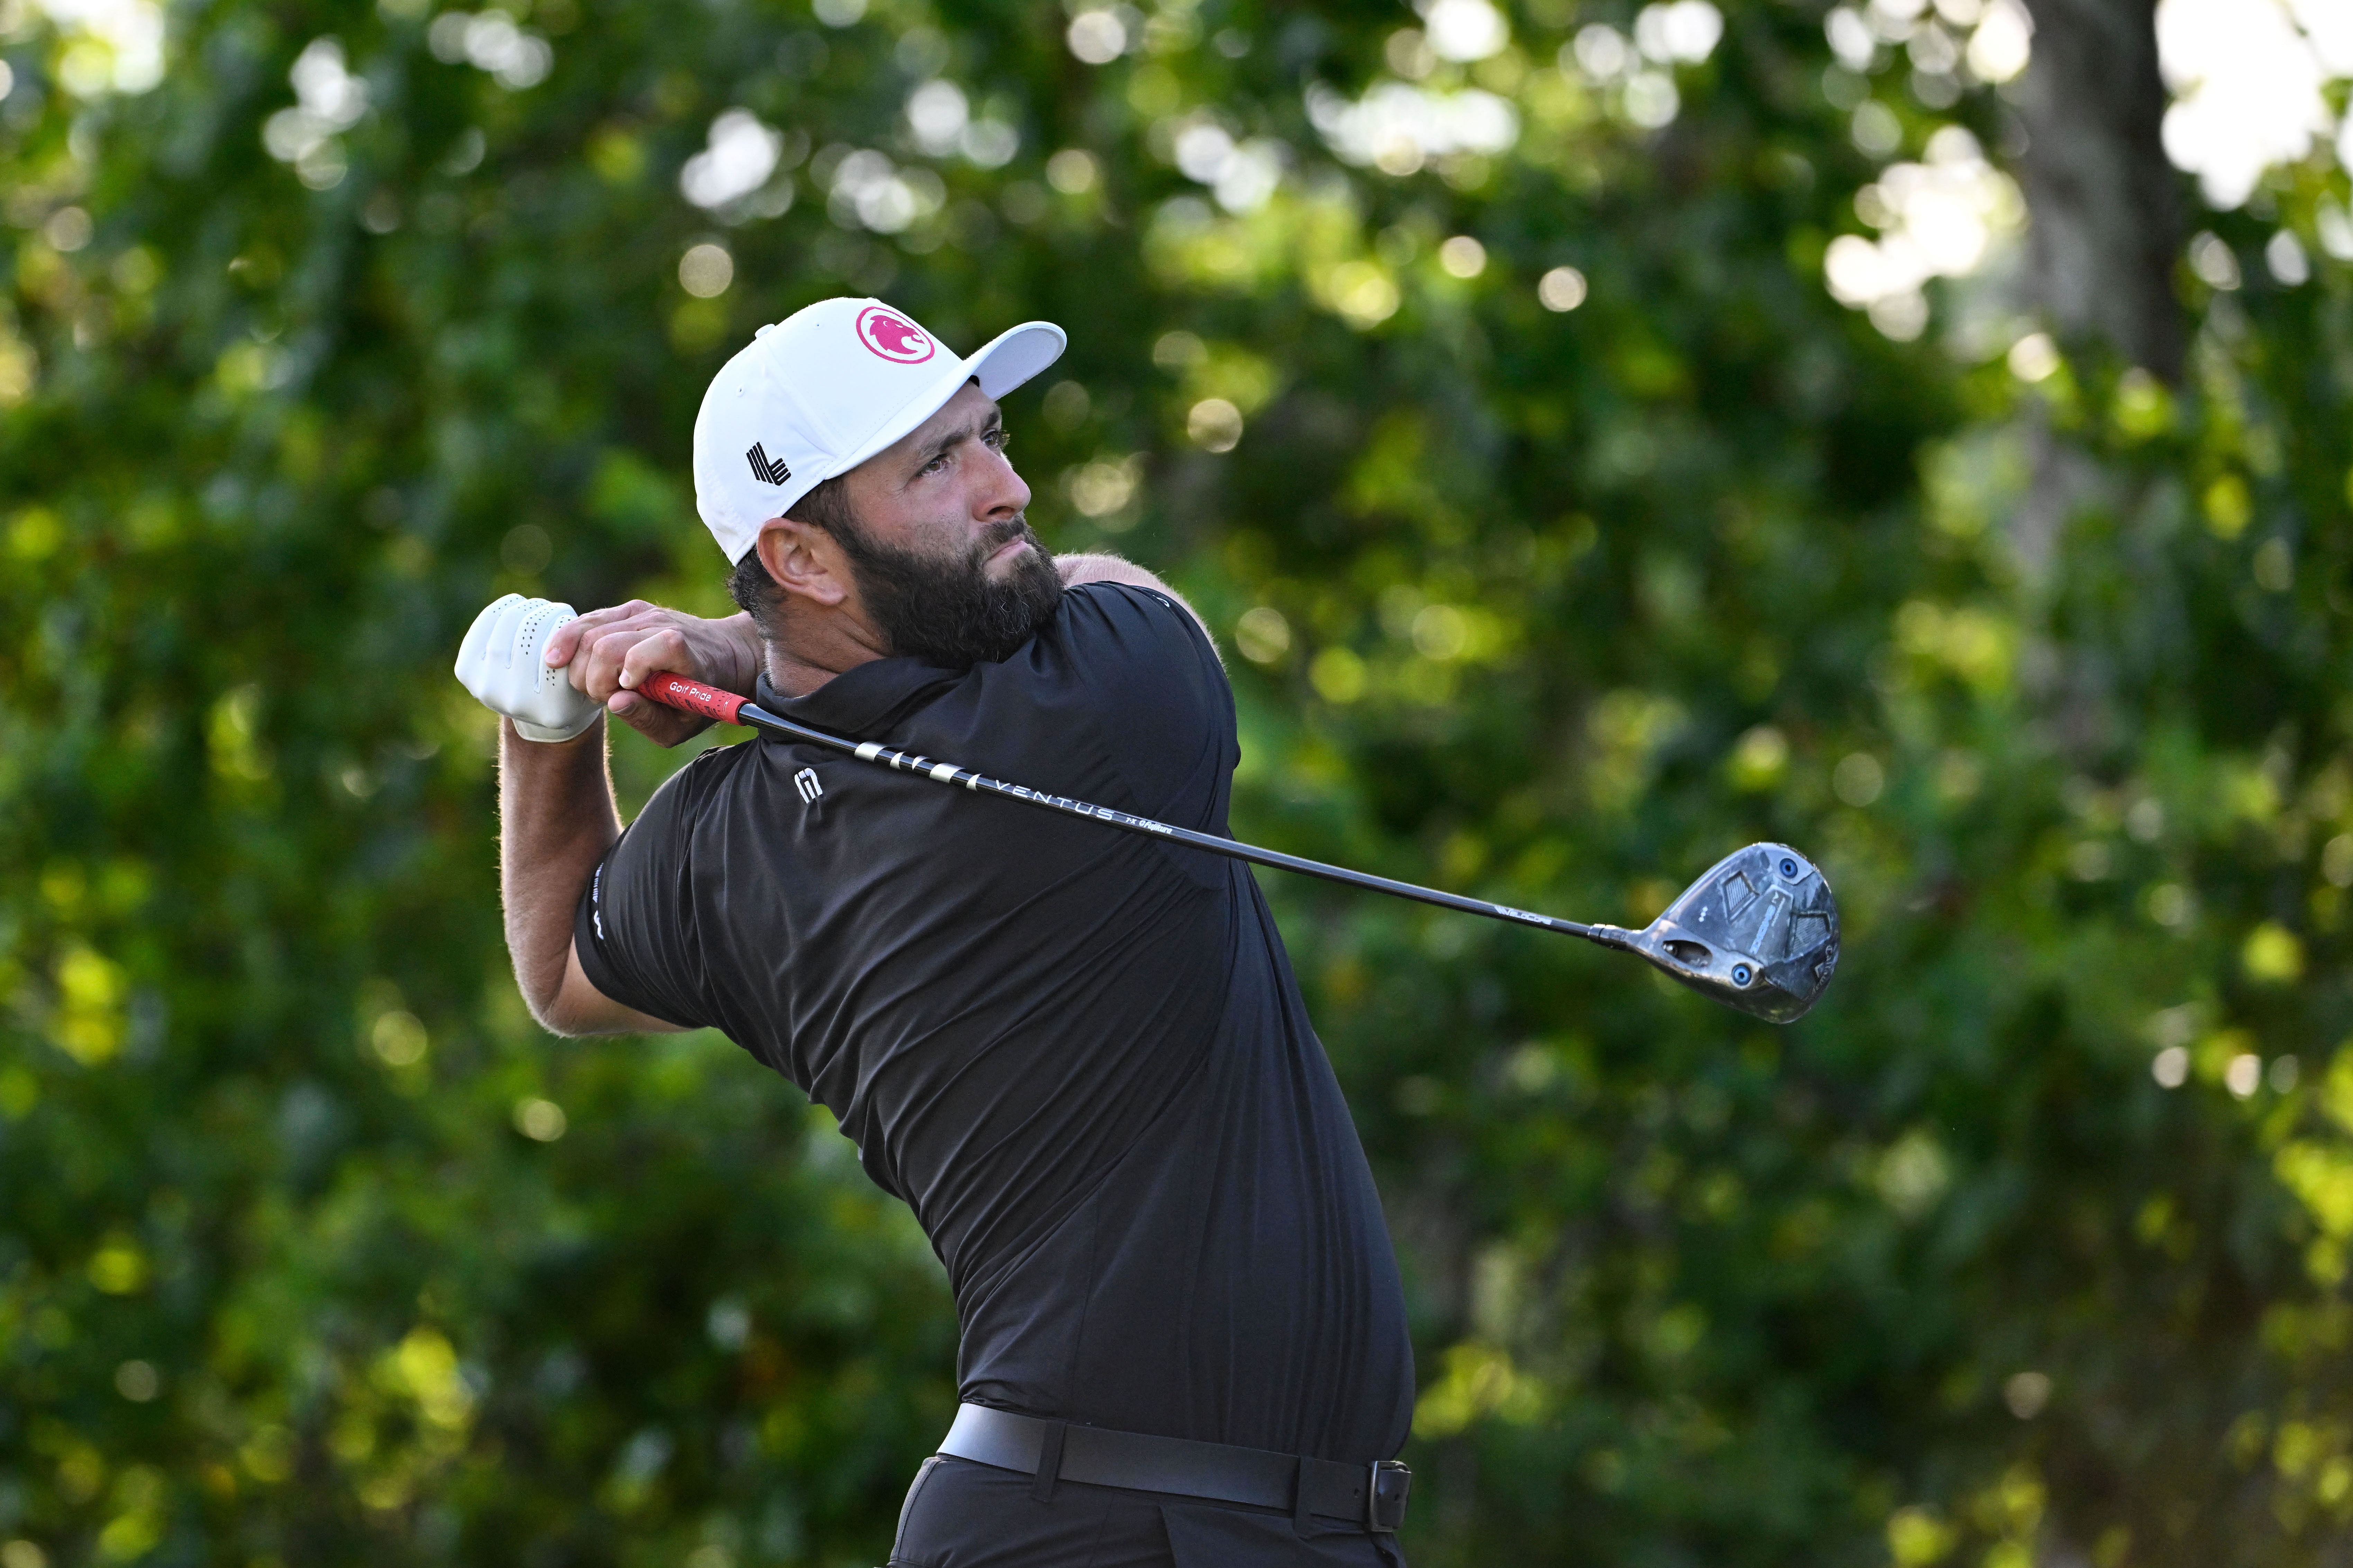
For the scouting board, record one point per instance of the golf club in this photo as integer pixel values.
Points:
(1759, 932)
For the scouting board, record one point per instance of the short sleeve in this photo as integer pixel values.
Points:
(634, 927)
(1162, 703)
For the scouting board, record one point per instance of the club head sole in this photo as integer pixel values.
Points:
(1759, 932)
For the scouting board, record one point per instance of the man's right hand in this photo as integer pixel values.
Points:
(609, 651)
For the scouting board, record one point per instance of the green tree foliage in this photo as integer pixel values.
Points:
(1476, 374)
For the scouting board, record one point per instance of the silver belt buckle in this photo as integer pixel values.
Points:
(1388, 1485)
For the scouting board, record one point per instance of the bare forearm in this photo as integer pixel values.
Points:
(557, 820)
(1095, 567)
(1078, 569)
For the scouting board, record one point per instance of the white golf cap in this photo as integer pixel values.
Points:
(823, 390)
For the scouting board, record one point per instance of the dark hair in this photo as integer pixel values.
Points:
(825, 507)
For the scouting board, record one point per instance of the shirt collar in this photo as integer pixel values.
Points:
(866, 701)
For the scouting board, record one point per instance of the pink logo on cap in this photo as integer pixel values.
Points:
(893, 336)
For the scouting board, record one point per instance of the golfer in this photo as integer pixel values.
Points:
(1078, 1055)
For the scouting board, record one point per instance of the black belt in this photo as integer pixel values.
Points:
(1372, 1497)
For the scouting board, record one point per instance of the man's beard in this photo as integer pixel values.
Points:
(948, 610)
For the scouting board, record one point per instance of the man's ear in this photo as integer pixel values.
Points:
(803, 560)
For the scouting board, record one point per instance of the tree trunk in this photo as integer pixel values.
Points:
(2106, 220)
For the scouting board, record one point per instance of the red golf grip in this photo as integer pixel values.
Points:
(677, 691)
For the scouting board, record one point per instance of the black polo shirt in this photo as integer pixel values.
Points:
(1078, 1054)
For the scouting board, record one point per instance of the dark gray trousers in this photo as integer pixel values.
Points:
(959, 1514)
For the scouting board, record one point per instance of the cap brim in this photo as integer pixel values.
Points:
(1015, 356)
(1004, 362)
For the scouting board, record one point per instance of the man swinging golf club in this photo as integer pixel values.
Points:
(1078, 1055)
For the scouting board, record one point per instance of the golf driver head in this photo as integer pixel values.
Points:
(1758, 932)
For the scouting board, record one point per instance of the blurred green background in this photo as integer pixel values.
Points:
(1599, 435)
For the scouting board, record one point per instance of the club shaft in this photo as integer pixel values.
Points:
(697, 698)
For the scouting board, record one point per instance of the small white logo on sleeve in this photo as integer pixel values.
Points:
(806, 782)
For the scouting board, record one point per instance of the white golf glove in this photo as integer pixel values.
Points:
(499, 663)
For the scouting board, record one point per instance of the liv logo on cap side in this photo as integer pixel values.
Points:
(893, 336)
(764, 468)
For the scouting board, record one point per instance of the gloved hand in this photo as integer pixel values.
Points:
(500, 663)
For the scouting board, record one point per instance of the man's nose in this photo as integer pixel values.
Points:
(1003, 494)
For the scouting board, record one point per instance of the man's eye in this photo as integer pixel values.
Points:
(999, 439)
